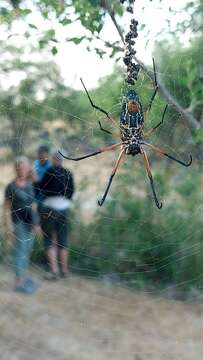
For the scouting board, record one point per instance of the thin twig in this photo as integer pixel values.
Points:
(192, 122)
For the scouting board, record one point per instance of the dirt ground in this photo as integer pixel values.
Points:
(80, 319)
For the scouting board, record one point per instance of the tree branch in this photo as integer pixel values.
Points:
(106, 6)
(188, 117)
(192, 122)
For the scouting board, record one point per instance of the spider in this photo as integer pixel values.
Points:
(131, 134)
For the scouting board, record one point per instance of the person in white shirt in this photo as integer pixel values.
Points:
(56, 188)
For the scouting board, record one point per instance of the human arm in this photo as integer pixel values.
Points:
(70, 186)
(8, 228)
(36, 221)
(43, 185)
(32, 176)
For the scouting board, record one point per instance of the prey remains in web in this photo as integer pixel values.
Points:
(132, 118)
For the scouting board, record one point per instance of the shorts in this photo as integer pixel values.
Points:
(54, 222)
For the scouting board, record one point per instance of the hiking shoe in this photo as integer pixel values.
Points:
(64, 275)
(51, 276)
(29, 286)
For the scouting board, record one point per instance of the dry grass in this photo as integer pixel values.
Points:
(79, 319)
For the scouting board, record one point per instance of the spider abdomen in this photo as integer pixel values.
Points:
(132, 113)
(134, 119)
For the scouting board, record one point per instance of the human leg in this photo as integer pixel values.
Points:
(48, 228)
(62, 239)
(64, 257)
(23, 249)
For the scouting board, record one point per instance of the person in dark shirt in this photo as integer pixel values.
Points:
(19, 219)
(56, 188)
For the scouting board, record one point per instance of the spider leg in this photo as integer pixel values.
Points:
(102, 129)
(100, 202)
(158, 150)
(160, 123)
(155, 89)
(155, 86)
(99, 151)
(97, 107)
(149, 173)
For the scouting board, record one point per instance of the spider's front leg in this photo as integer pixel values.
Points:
(155, 88)
(101, 110)
(104, 130)
(98, 107)
(147, 110)
(148, 133)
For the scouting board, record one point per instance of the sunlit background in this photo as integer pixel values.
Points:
(75, 61)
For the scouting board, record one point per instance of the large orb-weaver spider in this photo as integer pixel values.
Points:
(131, 133)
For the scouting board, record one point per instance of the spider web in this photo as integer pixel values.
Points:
(116, 301)
(104, 258)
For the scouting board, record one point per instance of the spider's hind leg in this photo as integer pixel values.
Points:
(99, 151)
(100, 202)
(149, 173)
(159, 151)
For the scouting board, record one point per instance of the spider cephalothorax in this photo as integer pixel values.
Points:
(132, 135)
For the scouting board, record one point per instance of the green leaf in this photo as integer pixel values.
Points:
(45, 14)
(54, 50)
(54, 40)
(198, 136)
(27, 34)
(118, 8)
(42, 43)
(50, 34)
(65, 21)
(33, 26)
(25, 12)
(100, 52)
(114, 51)
(76, 40)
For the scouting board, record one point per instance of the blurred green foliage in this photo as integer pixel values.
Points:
(140, 244)
(132, 242)
(184, 65)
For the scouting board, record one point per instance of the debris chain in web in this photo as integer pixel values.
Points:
(129, 50)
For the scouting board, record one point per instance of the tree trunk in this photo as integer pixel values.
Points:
(17, 140)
